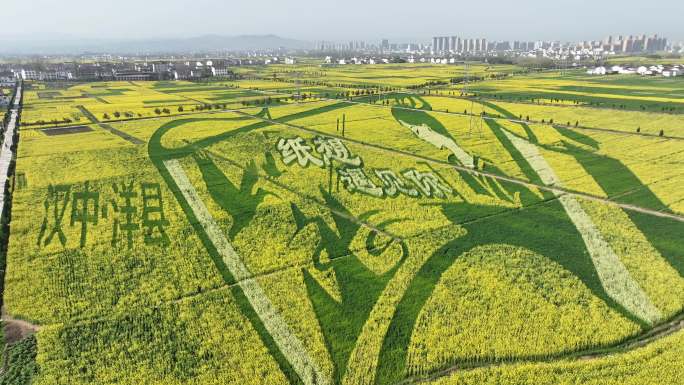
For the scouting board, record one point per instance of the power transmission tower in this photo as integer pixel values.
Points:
(474, 124)
(562, 65)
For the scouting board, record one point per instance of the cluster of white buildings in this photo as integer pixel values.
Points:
(189, 70)
(133, 70)
(330, 61)
(654, 70)
(4, 99)
(7, 79)
(434, 60)
(354, 60)
(31, 74)
(362, 47)
(278, 60)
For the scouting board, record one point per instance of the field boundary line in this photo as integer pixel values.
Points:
(105, 126)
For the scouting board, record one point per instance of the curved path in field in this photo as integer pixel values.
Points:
(637, 342)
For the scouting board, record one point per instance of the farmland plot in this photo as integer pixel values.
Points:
(340, 243)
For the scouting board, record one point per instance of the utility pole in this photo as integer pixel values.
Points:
(473, 123)
(330, 172)
(344, 123)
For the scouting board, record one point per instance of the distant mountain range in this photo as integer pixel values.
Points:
(206, 43)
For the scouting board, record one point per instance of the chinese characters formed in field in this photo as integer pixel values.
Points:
(333, 149)
(356, 180)
(153, 215)
(296, 149)
(428, 183)
(326, 152)
(125, 211)
(393, 185)
(87, 209)
(55, 205)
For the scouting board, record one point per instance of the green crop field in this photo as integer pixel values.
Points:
(378, 231)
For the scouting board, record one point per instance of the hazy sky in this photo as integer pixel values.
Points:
(342, 20)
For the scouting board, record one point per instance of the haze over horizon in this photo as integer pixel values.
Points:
(325, 20)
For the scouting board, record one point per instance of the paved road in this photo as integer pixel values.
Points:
(6, 154)
(109, 128)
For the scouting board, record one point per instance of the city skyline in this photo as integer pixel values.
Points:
(526, 20)
(613, 43)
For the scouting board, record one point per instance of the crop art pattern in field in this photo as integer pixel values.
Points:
(614, 276)
(81, 206)
(331, 149)
(273, 245)
(351, 172)
(289, 344)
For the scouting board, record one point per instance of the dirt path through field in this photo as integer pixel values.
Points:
(109, 128)
(673, 326)
(16, 330)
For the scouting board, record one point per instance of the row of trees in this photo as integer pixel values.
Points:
(43, 122)
(164, 111)
(308, 82)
